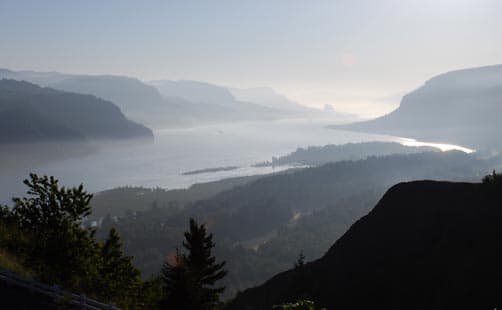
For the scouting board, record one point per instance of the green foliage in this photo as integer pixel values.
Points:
(50, 205)
(58, 249)
(189, 282)
(297, 305)
(151, 293)
(44, 231)
(118, 279)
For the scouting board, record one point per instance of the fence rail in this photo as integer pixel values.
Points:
(54, 291)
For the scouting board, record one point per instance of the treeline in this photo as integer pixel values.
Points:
(44, 235)
(319, 155)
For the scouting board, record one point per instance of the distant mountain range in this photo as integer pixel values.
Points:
(426, 245)
(29, 113)
(459, 107)
(260, 102)
(163, 104)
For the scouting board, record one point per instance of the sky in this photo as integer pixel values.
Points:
(360, 56)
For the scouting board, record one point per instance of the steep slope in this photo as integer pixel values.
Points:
(137, 100)
(144, 102)
(459, 107)
(426, 245)
(129, 93)
(29, 113)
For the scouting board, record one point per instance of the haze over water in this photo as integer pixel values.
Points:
(176, 151)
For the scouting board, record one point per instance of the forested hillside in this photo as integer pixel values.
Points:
(426, 245)
(318, 155)
(29, 113)
(262, 226)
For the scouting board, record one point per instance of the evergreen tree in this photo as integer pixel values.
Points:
(300, 262)
(189, 282)
(151, 293)
(119, 280)
(177, 285)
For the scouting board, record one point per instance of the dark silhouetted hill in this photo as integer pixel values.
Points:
(459, 107)
(426, 245)
(29, 113)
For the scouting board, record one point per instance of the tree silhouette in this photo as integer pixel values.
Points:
(178, 289)
(119, 279)
(60, 250)
(45, 232)
(300, 262)
(190, 281)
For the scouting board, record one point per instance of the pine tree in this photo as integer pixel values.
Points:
(300, 262)
(177, 287)
(190, 281)
(119, 279)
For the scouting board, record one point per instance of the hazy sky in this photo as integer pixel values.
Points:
(358, 55)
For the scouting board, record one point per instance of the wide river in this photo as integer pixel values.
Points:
(175, 151)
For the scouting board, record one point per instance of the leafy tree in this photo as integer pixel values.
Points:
(118, 278)
(189, 282)
(45, 231)
(60, 250)
(51, 205)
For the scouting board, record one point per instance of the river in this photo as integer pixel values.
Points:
(175, 151)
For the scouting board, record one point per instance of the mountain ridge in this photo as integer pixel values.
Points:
(34, 114)
(457, 107)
